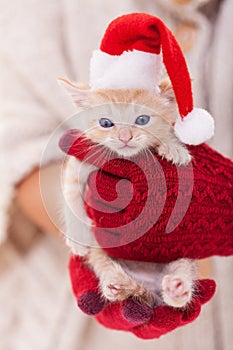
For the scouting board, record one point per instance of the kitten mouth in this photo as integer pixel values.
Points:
(127, 151)
(127, 146)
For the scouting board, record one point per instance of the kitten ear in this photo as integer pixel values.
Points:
(166, 90)
(79, 93)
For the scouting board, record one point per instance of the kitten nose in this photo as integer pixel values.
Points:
(125, 135)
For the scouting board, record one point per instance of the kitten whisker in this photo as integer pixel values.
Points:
(102, 157)
(97, 149)
(79, 152)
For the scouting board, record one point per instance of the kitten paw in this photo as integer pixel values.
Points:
(177, 154)
(176, 292)
(120, 289)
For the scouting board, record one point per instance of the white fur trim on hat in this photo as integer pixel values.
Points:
(131, 70)
(195, 128)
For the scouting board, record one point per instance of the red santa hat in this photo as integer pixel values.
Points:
(131, 54)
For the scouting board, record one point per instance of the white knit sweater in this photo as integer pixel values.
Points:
(43, 41)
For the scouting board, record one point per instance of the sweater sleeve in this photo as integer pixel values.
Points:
(32, 56)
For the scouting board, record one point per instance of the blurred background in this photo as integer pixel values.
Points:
(43, 40)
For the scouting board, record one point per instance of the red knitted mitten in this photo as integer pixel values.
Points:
(129, 315)
(163, 212)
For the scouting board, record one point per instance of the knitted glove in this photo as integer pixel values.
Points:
(131, 316)
(163, 212)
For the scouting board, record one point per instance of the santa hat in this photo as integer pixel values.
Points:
(131, 54)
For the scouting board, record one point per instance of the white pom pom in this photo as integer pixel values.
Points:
(195, 128)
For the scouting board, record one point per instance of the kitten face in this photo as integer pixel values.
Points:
(126, 128)
(128, 121)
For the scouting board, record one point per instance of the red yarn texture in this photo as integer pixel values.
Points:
(147, 33)
(207, 225)
(164, 318)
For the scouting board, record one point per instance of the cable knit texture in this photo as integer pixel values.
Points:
(189, 210)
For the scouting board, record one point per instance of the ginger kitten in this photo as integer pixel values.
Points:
(131, 121)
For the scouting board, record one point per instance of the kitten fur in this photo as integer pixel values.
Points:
(152, 283)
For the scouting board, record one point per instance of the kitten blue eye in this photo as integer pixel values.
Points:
(142, 120)
(106, 123)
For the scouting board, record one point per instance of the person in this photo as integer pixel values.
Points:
(39, 44)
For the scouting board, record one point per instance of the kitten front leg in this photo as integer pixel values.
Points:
(178, 282)
(78, 225)
(115, 283)
(174, 152)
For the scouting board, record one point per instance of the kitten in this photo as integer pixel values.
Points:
(141, 121)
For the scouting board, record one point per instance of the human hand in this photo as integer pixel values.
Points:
(160, 215)
(130, 315)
